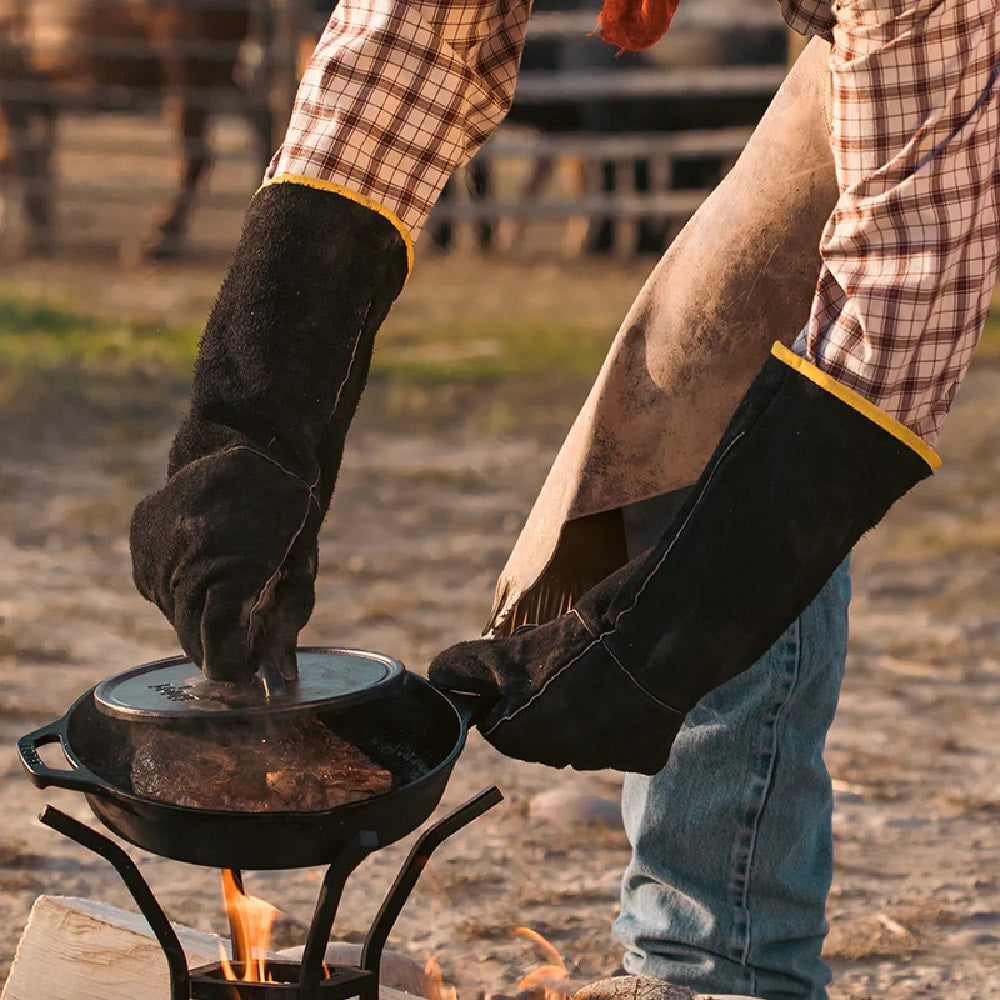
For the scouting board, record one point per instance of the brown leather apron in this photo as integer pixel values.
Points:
(739, 276)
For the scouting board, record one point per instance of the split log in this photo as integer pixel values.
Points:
(78, 949)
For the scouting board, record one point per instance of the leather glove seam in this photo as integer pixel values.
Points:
(666, 552)
(350, 363)
(232, 449)
(311, 498)
(273, 578)
(607, 634)
(585, 623)
(621, 666)
(635, 680)
(271, 581)
(172, 582)
(601, 640)
(543, 688)
(595, 641)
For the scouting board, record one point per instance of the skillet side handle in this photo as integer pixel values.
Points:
(471, 708)
(77, 779)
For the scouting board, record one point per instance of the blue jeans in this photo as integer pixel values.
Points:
(732, 847)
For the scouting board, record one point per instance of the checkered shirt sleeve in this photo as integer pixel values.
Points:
(399, 93)
(910, 251)
(809, 17)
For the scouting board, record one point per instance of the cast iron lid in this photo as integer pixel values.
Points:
(175, 689)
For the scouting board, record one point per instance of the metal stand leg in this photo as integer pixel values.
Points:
(311, 971)
(180, 986)
(427, 843)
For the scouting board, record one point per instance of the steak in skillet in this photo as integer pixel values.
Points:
(297, 764)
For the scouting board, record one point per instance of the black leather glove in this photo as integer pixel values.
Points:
(227, 548)
(803, 470)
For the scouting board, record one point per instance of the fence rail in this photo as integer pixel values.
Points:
(606, 85)
(661, 205)
(695, 142)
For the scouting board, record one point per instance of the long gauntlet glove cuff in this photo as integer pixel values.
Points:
(287, 346)
(804, 469)
(227, 549)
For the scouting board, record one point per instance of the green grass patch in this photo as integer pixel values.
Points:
(38, 340)
(488, 352)
(57, 364)
(47, 349)
(41, 345)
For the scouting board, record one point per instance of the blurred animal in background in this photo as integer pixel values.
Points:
(119, 55)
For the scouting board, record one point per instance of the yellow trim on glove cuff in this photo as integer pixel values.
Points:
(360, 199)
(857, 402)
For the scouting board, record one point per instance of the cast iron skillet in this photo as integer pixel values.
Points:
(417, 734)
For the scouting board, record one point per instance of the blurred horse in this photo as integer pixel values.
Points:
(119, 55)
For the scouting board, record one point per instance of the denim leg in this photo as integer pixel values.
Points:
(732, 848)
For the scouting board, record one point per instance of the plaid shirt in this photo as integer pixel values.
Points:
(400, 92)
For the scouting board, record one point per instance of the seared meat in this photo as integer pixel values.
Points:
(295, 764)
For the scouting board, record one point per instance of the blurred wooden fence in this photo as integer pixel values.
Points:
(621, 152)
(602, 148)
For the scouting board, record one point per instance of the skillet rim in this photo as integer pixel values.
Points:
(107, 789)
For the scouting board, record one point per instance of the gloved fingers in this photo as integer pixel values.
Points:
(277, 621)
(223, 633)
(238, 628)
(185, 616)
(147, 540)
(210, 549)
(226, 640)
(559, 698)
(462, 668)
(280, 659)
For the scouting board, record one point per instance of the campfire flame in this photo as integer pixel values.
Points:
(545, 976)
(437, 989)
(550, 981)
(252, 919)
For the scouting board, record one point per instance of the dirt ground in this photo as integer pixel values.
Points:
(423, 519)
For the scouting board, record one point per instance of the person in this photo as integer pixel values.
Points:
(676, 604)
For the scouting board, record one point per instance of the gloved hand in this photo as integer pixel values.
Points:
(557, 698)
(227, 548)
(227, 551)
(803, 470)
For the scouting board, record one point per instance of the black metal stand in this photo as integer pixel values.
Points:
(180, 982)
(326, 911)
(308, 980)
(427, 843)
